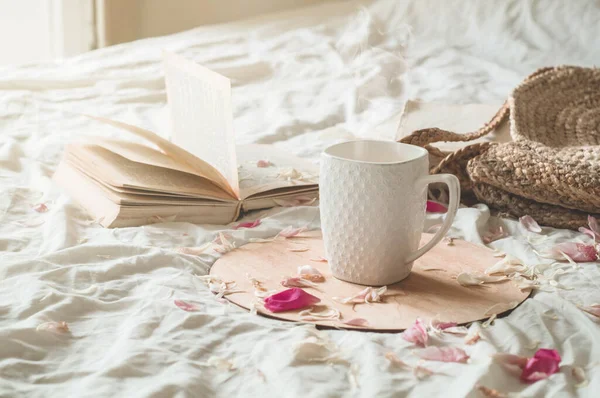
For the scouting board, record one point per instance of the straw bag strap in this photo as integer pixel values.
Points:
(425, 137)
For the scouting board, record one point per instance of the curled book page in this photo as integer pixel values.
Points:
(201, 116)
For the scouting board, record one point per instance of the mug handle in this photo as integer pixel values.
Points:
(454, 190)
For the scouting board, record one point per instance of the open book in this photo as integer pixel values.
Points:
(200, 176)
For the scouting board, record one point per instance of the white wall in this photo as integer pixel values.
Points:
(125, 20)
(24, 27)
(43, 30)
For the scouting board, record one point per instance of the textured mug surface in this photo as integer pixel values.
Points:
(372, 204)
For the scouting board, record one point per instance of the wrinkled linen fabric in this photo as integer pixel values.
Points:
(302, 80)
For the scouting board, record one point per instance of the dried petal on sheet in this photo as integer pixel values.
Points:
(290, 299)
(290, 232)
(533, 345)
(416, 334)
(194, 251)
(550, 314)
(316, 350)
(473, 279)
(248, 224)
(443, 354)
(54, 327)
(473, 337)
(220, 363)
(544, 363)
(262, 163)
(435, 207)
(296, 281)
(40, 208)
(395, 361)
(222, 244)
(310, 273)
(530, 224)
(292, 175)
(361, 322)
(184, 305)
(218, 286)
(421, 372)
(490, 393)
(579, 376)
(367, 295)
(593, 309)
(32, 222)
(494, 234)
(319, 260)
(353, 376)
(578, 252)
(320, 313)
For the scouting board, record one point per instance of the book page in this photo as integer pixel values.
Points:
(178, 155)
(284, 170)
(201, 115)
(118, 171)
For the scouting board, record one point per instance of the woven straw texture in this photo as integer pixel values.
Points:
(551, 170)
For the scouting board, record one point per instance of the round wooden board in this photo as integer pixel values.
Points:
(430, 290)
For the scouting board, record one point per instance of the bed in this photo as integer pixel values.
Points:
(302, 80)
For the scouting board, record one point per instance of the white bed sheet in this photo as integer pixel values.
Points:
(302, 80)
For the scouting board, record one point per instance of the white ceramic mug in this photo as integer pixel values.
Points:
(372, 201)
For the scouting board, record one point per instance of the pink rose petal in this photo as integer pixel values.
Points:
(357, 322)
(263, 163)
(544, 363)
(290, 299)
(416, 334)
(319, 259)
(593, 231)
(439, 325)
(40, 208)
(443, 354)
(184, 305)
(593, 224)
(530, 224)
(435, 207)
(54, 327)
(248, 224)
(593, 309)
(578, 252)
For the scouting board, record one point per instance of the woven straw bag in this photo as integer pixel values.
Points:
(551, 169)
